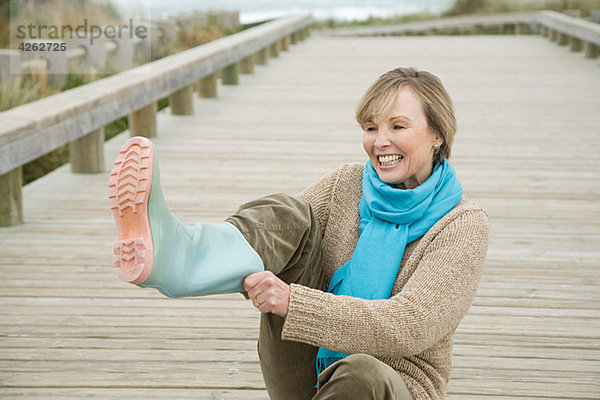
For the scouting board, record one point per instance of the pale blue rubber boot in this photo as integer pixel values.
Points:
(155, 249)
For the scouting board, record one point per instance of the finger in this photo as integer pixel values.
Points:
(252, 280)
(256, 302)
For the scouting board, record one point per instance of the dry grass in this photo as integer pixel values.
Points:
(16, 92)
(198, 35)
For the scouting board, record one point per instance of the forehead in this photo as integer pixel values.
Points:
(402, 102)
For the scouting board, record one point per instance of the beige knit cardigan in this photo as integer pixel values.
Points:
(438, 277)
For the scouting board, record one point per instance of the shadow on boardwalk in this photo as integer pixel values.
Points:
(527, 150)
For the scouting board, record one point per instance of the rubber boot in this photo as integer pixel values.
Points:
(155, 249)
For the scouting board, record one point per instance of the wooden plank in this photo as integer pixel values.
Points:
(137, 392)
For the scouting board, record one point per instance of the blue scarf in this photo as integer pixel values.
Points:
(390, 218)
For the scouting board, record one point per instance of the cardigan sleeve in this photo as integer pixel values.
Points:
(429, 307)
(318, 195)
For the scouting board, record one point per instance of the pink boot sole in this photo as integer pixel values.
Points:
(128, 191)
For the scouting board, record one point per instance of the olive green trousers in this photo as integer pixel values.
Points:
(285, 233)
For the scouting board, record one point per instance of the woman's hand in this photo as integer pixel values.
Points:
(268, 293)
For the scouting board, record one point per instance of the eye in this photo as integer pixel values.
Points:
(370, 129)
(398, 127)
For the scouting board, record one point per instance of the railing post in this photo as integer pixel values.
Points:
(247, 65)
(554, 36)
(142, 122)
(262, 56)
(300, 34)
(563, 39)
(478, 29)
(274, 49)
(591, 50)
(230, 74)
(294, 37)
(37, 73)
(182, 101)
(11, 200)
(207, 86)
(285, 43)
(545, 31)
(10, 66)
(86, 154)
(576, 44)
(522, 29)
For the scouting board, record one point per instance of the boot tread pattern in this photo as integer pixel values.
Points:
(129, 178)
(128, 192)
(129, 256)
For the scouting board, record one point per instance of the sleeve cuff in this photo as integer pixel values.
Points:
(304, 321)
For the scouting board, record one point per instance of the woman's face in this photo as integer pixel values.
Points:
(400, 144)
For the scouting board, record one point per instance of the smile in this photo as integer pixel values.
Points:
(389, 160)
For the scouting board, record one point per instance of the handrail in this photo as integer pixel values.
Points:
(32, 130)
(586, 31)
(564, 24)
(440, 24)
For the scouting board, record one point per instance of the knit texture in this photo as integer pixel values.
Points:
(437, 281)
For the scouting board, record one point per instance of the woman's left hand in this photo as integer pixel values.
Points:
(269, 294)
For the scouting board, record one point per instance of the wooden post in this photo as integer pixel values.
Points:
(11, 200)
(142, 122)
(37, 73)
(576, 44)
(563, 39)
(301, 34)
(294, 38)
(478, 29)
(182, 101)
(247, 65)
(554, 35)
(545, 31)
(285, 43)
(274, 49)
(521, 29)
(230, 74)
(262, 56)
(207, 86)
(86, 154)
(591, 50)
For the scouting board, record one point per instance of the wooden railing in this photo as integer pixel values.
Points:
(77, 116)
(564, 29)
(453, 25)
(560, 27)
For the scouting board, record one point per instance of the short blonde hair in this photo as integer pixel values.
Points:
(437, 105)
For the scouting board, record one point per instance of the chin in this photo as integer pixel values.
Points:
(389, 178)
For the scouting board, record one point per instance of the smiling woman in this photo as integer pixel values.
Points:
(406, 126)
(361, 280)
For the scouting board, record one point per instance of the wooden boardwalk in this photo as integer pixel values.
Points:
(528, 150)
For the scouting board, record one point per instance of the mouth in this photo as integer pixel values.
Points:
(386, 161)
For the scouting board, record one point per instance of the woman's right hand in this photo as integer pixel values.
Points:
(268, 293)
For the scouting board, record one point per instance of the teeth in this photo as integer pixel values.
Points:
(389, 160)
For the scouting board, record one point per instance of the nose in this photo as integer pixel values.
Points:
(382, 138)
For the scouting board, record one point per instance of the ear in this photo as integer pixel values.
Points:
(438, 140)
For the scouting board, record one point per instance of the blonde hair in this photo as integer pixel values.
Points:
(437, 105)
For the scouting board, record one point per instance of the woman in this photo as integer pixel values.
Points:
(361, 280)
